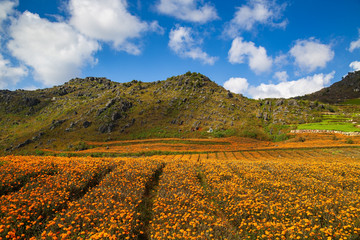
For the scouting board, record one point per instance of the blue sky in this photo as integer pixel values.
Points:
(260, 48)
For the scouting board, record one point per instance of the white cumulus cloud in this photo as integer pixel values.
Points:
(257, 58)
(188, 10)
(6, 9)
(355, 65)
(281, 76)
(110, 21)
(10, 75)
(237, 85)
(265, 12)
(284, 89)
(294, 88)
(355, 44)
(311, 54)
(281, 59)
(185, 45)
(54, 50)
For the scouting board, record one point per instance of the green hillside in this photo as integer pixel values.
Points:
(98, 109)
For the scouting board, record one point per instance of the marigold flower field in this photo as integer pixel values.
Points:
(253, 194)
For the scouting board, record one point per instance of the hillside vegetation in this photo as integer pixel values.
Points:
(346, 90)
(98, 109)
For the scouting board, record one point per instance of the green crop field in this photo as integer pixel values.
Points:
(331, 122)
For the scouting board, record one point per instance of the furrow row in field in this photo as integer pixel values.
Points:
(203, 157)
(145, 208)
(181, 209)
(24, 213)
(111, 210)
(285, 199)
(13, 177)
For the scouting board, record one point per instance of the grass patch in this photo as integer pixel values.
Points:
(80, 146)
(39, 152)
(280, 137)
(331, 122)
(224, 133)
(344, 127)
(255, 133)
(156, 132)
(277, 132)
(335, 118)
(355, 101)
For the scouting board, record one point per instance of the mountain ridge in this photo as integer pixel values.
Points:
(98, 109)
(347, 88)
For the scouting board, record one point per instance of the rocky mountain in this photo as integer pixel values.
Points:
(98, 109)
(347, 88)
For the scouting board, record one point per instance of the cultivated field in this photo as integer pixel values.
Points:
(172, 146)
(250, 194)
